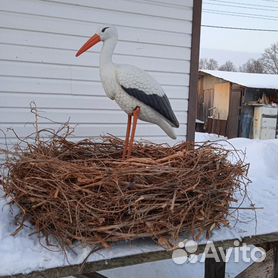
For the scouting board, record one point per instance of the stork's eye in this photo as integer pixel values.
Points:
(103, 29)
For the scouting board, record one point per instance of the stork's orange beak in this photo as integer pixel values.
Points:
(91, 42)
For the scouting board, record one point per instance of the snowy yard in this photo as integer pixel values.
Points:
(24, 253)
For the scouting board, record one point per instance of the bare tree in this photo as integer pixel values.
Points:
(270, 59)
(228, 66)
(253, 66)
(209, 64)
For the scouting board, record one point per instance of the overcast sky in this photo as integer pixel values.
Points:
(242, 13)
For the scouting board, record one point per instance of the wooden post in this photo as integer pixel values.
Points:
(275, 260)
(214, 269)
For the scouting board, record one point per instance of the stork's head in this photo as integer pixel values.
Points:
(103, 33)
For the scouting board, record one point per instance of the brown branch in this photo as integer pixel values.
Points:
(84, 191)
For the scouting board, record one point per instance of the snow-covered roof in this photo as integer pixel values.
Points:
(250, 80)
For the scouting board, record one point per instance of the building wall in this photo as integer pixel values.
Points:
(221, 100)
(206, 91)
(38, 41)
(210, 81)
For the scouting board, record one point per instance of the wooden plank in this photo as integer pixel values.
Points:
(216, 126)
(178, 3)
(57, 102)
(60, 50)
(275, 260)
(234, 113)
(23, 115)
(194, 65)
(95, 16)
(70, 102)
(214, 269)
(147, 8)
(261, 269)
(75, 29)
(69, 87)
(46, 71)
(125, 48)
(136, 259)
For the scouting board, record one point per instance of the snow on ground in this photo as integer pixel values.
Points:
(23, 253)
(202, 137)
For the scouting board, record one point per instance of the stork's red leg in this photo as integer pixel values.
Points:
(127, 135)
(136, 114)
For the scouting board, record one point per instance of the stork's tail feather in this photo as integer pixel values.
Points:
(168, 129)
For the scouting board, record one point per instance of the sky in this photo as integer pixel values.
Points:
(238, 45)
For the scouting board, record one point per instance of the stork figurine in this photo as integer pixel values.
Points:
(134, 90)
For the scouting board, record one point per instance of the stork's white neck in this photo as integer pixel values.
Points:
(107, 52)
(107, 68)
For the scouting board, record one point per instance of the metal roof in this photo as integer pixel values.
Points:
(250, 80)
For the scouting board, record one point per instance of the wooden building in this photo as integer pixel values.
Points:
(236, 104)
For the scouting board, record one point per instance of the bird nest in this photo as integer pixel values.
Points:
(84, 191)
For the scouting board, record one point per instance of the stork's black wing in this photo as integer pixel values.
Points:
(140, 85)
(158, 103)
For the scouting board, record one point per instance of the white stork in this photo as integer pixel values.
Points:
(134, 90)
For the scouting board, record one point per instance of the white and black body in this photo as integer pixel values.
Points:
(132, 88)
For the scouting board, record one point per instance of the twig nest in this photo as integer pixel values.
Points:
(84, 191)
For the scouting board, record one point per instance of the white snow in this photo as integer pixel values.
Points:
(23, 253)
(203, 137)
(250, 80)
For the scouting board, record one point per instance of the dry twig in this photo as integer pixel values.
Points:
(85, 192)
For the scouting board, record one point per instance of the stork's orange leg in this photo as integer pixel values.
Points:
(136, 114)
(127, 135)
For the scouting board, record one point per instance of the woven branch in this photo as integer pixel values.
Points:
(83, 191)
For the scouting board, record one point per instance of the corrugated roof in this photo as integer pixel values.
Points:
(250, 80)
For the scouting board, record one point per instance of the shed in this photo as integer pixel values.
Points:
(237, 104)
(39, 39)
